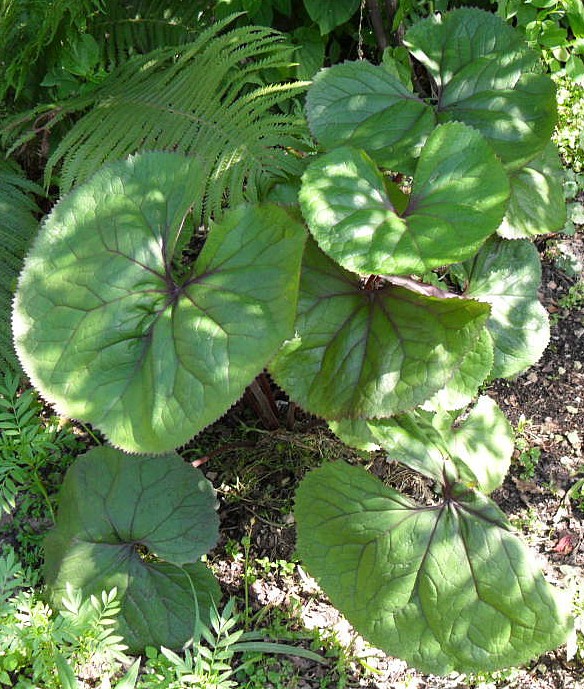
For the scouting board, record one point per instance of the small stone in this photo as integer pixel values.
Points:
(574, 439)
(578, 365)
(552, 285)
(561, 370)
(571, 410)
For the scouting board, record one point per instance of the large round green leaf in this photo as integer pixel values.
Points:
(367, 353)
(364, 106)
(140, 524)
(507, 275)
(445, 587)
(458, 199)
(112, 333)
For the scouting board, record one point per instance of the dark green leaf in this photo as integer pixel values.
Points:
(445, 587)
(113, 334)
(329, 14)
(140, 524)
(370, 352)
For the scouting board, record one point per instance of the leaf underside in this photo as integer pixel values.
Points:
(110, 505)
(112, 335)
(370, 353)
(447, 587)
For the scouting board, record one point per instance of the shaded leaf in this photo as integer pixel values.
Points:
(446, 587)
(458, 199)
(329, 15)
(113, 332)
(485, 77)
(367, 353)
(140, 524)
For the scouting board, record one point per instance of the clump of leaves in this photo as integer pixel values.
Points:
(114, 328)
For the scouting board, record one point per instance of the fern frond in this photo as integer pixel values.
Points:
(209, 100)
(126, 28)
(18, 225)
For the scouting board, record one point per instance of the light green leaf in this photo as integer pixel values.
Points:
(445, 587)
(140, 524)
(112, 331)
(364, 106)
(537, 204)
(518, 122)
(481, 447)
(507, 275)
(370, 352)
(329, 14)
(458, 199)
(356, 433)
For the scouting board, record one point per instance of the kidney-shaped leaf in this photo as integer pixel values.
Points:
(507, 275)
(458, 199)
(445, 587)
(111, 335)
(368, 353)
(140, 524)
(364, 106)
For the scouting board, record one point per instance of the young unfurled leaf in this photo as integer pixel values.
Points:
(111, 507)
(367, 353)
(112, 334)
(507, 274)
(458, 199)
(364, 106)
(445, 587)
